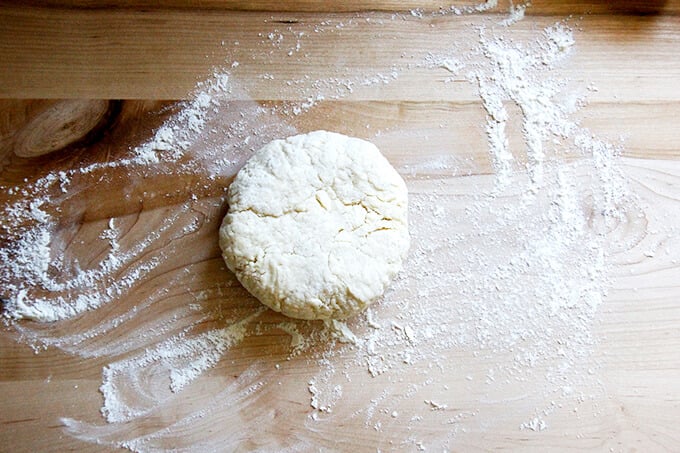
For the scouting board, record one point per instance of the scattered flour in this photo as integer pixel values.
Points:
(29, 264)
(513, 73)
(516, 13)
(181, 358)
(519, 302)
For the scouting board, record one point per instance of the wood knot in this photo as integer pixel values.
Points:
(65, 123)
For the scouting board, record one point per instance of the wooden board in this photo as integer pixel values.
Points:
(623, 394)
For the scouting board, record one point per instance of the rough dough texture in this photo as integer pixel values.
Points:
(317, 225)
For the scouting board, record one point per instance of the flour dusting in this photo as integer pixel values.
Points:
(499, 297)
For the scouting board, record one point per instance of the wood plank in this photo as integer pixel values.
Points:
(537, 7)
(162, 54)
(437, 130)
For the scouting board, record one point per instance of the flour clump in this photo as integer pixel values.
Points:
(317, 225)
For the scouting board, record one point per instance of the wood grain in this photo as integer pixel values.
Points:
(162, 54)
(148, 54)
(539, 7)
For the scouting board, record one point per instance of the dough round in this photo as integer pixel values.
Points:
(317, 225)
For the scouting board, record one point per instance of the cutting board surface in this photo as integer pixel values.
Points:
(538, 309)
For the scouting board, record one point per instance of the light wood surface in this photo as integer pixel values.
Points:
(149, 55)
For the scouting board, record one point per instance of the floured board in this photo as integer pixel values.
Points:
(538, 308)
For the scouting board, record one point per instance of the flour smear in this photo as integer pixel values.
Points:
(505, 276)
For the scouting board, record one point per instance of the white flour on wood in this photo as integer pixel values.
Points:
(500, 291)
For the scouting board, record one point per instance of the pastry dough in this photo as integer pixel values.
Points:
(317, 225)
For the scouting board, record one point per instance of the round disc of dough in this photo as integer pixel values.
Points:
(317, 225)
